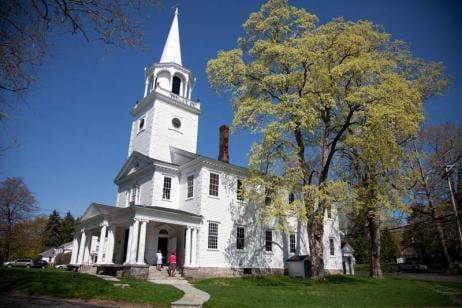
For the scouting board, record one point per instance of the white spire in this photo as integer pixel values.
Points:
(172, 49)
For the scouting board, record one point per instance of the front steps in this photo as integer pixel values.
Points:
(154, 274)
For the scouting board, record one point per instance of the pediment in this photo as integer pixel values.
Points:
(135, 163)
(181, 157)
(90, 212)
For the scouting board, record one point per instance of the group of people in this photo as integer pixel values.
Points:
(172, 260)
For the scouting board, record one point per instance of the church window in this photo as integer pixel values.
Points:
(151, 84)
(214, 184)
(292, 243)
(163, 232)
(176, 123)
(135, 194)
(141, 124)
(329, 212)
(269, 240)
(176, 85)
(268, 199)
(331, 247)
(240, 191)
(291, 198)
(190, 186)
(213, 236)
(240, 236)
(167, 188)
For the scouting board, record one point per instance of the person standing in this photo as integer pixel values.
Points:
(172, 264)
(159, 260)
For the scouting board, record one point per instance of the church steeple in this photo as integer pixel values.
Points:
(172, 48)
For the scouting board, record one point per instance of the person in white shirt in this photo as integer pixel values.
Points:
(159, 260)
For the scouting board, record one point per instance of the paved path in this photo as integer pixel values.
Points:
(193, 297)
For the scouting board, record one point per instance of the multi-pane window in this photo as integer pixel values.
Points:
(269, 240)
(240, 191)
(292, 243)
(213, 236)
(214, 184)
(134, 194)
(331, 247)
(190, 186)
(167, 188)
(291, 198)
(240, 237)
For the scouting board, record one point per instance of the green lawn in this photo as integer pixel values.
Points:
(338, 291)
(63, 284)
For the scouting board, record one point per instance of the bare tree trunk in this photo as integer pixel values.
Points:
(315, 235)
(374, 246)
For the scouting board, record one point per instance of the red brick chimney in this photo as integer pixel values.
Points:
(223, 152)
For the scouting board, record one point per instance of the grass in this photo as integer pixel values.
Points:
(386, 267)
(346, 291)
(62, 284)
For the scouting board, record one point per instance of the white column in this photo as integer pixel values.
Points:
(87, 250)
(129, 244)
(83, 239)
(136, 229)
(110, 245)
(193, 246)
(141, 247)
(75, 249)
(102, 237)
(187, 250)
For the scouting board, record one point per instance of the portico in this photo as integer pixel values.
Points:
(134, 240)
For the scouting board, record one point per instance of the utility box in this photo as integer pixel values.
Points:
(299, 266)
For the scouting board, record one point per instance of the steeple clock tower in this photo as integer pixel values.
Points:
(166, 116)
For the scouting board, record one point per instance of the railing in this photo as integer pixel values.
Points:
(178, 98)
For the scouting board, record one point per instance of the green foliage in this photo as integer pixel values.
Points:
(54, 230)
(338, 291)
(76, 285)
(313, 92)
(68, 224)
(389, 248)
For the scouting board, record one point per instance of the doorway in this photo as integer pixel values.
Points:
(162, 245)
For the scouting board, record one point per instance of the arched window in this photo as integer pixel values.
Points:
(163, 232)
(176, 85)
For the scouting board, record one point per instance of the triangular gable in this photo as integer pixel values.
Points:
(90, 212)
(135, 162)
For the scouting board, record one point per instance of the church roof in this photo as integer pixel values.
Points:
(172, 48)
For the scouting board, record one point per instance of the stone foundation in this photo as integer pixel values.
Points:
(210, 272)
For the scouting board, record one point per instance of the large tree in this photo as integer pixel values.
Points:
(305, 88)
(17, 204)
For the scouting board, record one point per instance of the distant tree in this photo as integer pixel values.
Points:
(68, 224)
(437, 147)
(17, 204)
(29, 238)
(54, 230)
(390, 248)
(26, 25)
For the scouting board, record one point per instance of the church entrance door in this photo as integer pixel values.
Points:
(163, 247)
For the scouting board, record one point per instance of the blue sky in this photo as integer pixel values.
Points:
(73, 126)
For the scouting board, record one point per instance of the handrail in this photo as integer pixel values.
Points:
(178, 98)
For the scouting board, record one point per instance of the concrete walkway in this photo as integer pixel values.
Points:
(192, 297)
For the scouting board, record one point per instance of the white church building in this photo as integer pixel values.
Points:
(172, 199)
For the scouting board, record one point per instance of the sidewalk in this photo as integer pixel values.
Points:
(193, 297)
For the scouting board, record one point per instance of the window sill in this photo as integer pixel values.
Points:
(214, 197)
(268, 252)
(213, 249)
(188, 199)
(168, 200)
(140, 131)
